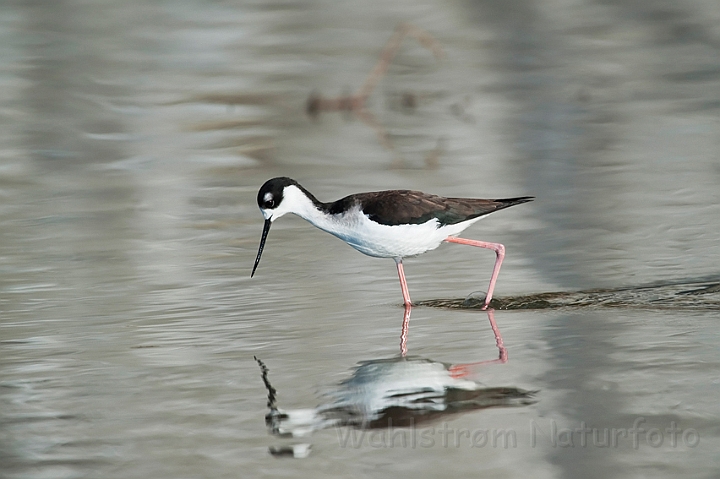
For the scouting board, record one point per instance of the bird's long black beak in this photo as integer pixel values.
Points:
(266, 230)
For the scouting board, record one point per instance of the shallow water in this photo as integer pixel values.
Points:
(134, 138)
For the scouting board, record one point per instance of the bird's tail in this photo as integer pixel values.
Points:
(508, 202)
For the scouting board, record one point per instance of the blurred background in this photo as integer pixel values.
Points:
(134, 137)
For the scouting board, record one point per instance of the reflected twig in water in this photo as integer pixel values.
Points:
(356, 103)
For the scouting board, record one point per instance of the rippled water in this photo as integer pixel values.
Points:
(134, 136)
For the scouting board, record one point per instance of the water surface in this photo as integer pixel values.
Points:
(133, 139)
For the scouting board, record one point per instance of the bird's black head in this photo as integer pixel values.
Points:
(271, 193)
(269, 198)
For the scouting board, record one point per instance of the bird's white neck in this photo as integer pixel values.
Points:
(297, 202)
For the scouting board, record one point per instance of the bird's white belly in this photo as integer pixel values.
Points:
(399, 241)
(396, 241)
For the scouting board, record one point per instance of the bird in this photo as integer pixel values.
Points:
(385, 224)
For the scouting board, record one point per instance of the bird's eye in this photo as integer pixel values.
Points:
(269, 200)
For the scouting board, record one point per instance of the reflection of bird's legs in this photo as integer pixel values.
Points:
(404, 332)
(465, 369)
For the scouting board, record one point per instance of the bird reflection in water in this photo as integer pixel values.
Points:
(398, 392)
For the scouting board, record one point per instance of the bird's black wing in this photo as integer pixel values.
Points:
(397, 207)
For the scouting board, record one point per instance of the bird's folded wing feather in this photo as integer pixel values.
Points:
(413, 207)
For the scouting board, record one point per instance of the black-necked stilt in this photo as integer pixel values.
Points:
(385, 224)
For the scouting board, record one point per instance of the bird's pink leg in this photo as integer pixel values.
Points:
(408, 307)
(403, 283)
(499, 251)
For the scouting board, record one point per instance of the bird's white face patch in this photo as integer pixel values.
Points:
(292, 200)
